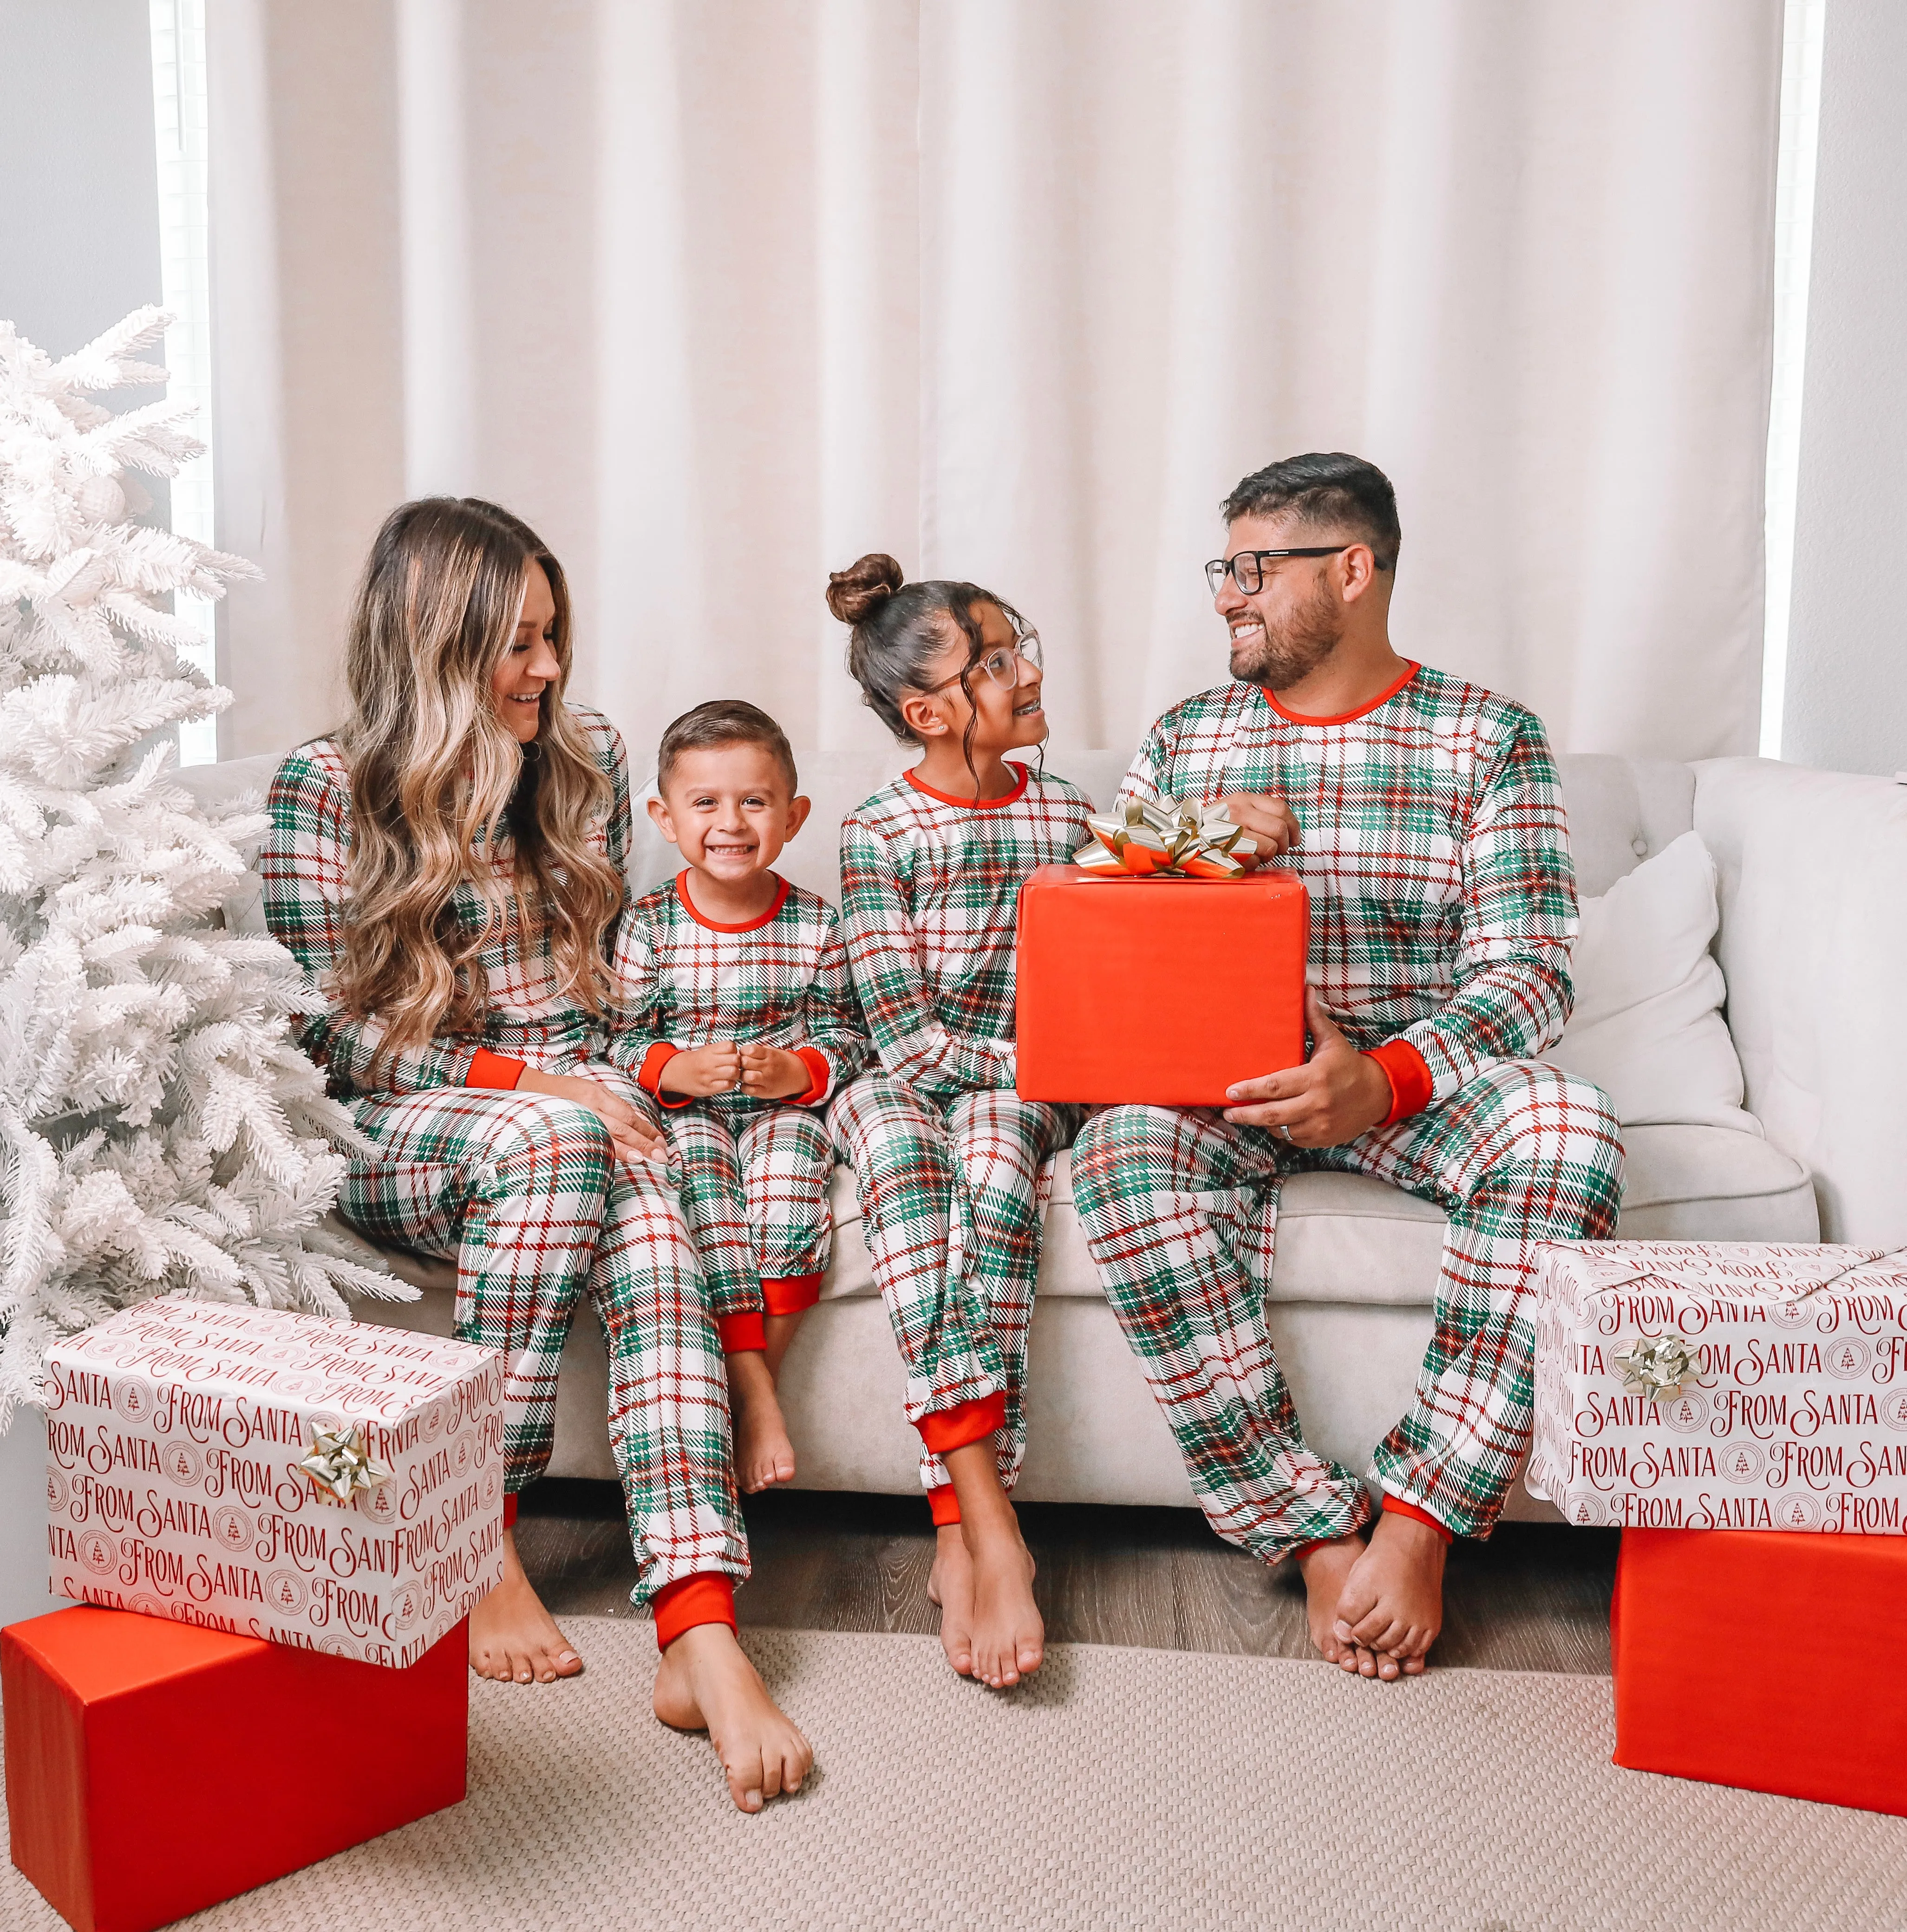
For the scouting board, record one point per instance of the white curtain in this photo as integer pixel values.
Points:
(720, 293)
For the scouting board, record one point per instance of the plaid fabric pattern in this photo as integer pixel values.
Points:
(527, 1192)
(1180, 1212)
(1433, 842)
(303, 864)
(930, 901)
(753, 1189)
(782, 981)
(952, 1206)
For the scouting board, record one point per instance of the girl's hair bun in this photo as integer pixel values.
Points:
(855, 594)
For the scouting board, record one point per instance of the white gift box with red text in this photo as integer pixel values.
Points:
(1763, 1386)
(177, 1433)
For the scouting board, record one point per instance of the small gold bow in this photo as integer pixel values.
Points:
(1176, 836)
(1659, 1367)
(339, 1465)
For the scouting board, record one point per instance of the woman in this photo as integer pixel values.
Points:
(448, 867)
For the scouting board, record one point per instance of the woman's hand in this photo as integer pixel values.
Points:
(635, 1136)
(703, 1070)
(772, 1073)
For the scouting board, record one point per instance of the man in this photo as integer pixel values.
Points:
(1425, 817)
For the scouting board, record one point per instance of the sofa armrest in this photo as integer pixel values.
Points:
(1812, 871)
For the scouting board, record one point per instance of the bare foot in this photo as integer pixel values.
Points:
(1324, 1571)
(513, 1638)
(950, 1584)
(763, 1454)
(1009, 1639)
(705, 1683)
(1392, 1603)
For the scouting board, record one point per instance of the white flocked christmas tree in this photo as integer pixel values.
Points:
(159, 1129)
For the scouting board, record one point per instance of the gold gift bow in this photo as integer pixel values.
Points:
(1175, 836)
(1658, 1367)
(339, 1465)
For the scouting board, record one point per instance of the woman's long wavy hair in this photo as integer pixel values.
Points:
(436, 774)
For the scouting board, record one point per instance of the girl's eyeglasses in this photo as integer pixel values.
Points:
(1001, 663)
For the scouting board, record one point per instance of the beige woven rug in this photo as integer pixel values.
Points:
(1121, 1788)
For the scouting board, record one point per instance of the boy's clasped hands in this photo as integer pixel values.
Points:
(735, 1067)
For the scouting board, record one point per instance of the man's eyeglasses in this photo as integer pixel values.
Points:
(1246, 569)
(1001, 663)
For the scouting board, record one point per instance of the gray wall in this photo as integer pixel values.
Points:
(78, 181)
(1846, 707)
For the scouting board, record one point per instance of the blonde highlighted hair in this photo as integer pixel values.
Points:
(435, 772)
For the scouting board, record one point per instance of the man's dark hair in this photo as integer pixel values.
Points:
(1326, 489)
(724, 721)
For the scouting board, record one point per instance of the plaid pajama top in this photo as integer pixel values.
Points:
(1431, 837)
(930, 888)
(304, 864)
(781, 979)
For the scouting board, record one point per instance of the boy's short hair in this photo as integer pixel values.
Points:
(725, 721)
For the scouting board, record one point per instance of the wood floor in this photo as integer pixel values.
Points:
(1535, 1597)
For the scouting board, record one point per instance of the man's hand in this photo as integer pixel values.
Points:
(703, 1070)
(772, 1073)
(1269, 821)
(1337, 1094)
(635, 1136)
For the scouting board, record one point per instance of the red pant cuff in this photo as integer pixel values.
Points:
(966, 1422)
(739, 1333)
(791, 1294)
(706, 1598)
(943, 1505)
(1398, 1506)
(509, 1512)
(1302, 1550)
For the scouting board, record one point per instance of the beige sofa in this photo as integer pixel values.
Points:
(1356, 1261)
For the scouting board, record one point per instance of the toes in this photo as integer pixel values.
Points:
(746, 1779)
(1388, 1668)
(1412, 1667)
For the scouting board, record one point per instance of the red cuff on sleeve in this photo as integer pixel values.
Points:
(493, 1069)
(509, 1512)
(944, 1506)
(740, 1332)
(815, 1061)
(1410, 1079)
(708, 1598)
(1398, 1506)
(791, 1294)
(648, 1075)
(966, 1422)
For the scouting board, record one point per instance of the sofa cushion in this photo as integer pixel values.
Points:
(1648, 1026)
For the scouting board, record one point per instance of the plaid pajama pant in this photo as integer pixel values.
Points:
(754, 1188)
(527, 1192)
(1180, 1210)
(952, 1205)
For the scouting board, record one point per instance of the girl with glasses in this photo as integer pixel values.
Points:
(946, 1156)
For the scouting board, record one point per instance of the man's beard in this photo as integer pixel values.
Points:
(1307, 638)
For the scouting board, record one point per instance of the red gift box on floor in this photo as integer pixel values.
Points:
(1756, 1658)
(155, 1768)
(1163, 990)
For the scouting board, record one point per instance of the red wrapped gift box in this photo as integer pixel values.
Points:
(155, 1768)
(1162, 990)
(1749, 1658)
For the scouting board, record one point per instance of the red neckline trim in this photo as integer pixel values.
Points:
(1018, 792)
(715, 926)
(1345, 717)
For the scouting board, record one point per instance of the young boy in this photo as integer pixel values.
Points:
(739, 1015)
